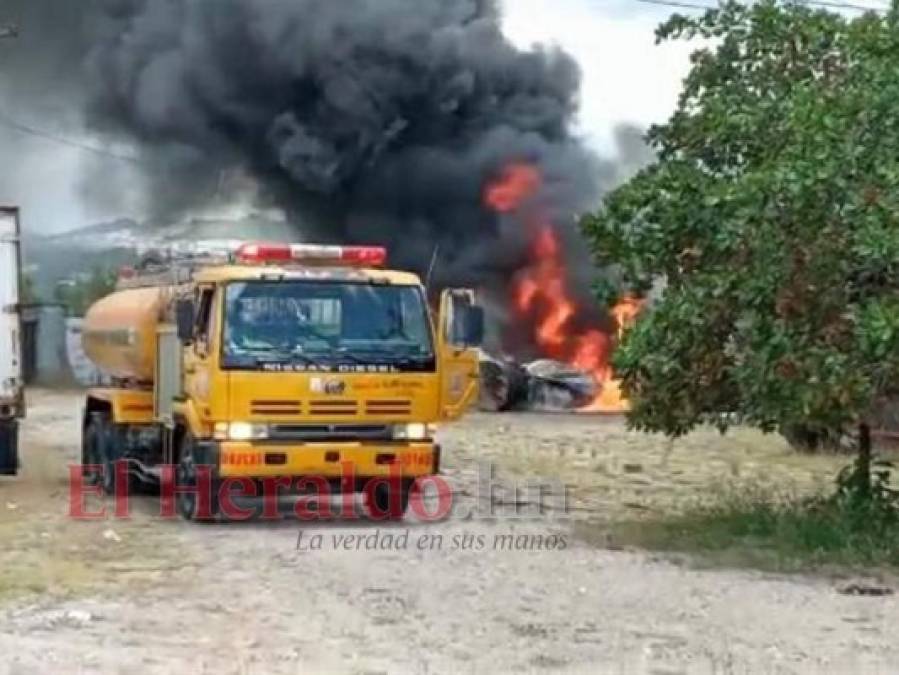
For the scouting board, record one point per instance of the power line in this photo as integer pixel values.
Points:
(10, 123)
(675, 3)
(12, 31)
(831, 4)
(842, 5)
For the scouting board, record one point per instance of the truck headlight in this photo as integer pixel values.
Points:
(415, 431)
(240, 431)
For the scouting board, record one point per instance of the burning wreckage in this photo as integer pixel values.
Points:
(540, 385)
(574, 372)
(545, 385)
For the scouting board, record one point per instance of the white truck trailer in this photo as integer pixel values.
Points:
(12, 398)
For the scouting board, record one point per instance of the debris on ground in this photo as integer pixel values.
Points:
(543, 385)
(865, 589)
(503, 383)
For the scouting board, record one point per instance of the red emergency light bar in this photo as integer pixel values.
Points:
(265, 252)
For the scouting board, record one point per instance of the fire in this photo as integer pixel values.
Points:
(518, 182)
(626, 311)
(540, 292)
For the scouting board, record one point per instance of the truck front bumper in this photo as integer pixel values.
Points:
(329, 460)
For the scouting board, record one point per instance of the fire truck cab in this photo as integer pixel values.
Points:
(288, 364)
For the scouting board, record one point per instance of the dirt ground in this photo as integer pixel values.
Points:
(161, 596)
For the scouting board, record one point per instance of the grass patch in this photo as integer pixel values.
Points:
(760, 528)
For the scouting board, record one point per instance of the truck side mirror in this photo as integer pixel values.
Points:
(184, 320)
(461, 320)
(472, 329)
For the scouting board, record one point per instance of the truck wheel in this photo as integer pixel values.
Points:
(96, 450)
(380, 502)
(9, 448)
(90, 454)
(187, 502)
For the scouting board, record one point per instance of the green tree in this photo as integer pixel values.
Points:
(81, 293)
(29, 294)
(771, 221)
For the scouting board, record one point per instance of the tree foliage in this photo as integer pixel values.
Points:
(29, 294)
(79, 294)
(771, 220)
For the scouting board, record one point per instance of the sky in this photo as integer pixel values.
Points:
(626, 78)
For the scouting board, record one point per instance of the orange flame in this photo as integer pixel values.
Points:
(627, 311)
(541, 293)
(518, 182)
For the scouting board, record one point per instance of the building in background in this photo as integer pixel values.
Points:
(44, 345)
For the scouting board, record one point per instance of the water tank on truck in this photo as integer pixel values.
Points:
(120, 332)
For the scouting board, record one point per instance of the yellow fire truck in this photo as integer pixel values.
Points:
(272, 360)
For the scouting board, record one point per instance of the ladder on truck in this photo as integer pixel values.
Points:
(175, 265)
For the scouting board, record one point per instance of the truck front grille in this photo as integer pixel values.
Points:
(274, 408)
(331, 409)
(388, 407)
(324, 408)
(330, 432)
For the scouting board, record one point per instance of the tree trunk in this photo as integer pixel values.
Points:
(863, 470)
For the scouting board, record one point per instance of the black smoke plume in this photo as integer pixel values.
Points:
(365, 120)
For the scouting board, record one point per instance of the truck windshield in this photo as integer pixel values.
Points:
(307, 325)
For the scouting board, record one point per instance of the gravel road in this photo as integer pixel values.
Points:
(159, 596)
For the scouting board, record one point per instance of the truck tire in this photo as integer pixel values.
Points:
(380, 502)
(93, 455)
(9, 448)
(99, 447)
(187, 502)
